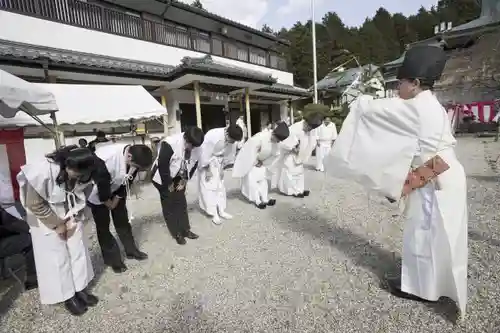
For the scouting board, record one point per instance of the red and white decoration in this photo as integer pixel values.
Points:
(483, 112)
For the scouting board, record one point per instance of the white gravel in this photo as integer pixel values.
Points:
(306, 265)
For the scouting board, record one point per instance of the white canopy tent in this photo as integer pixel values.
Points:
(93, 104)
(19, 95)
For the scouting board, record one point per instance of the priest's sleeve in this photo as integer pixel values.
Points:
(376, 145)
(102, 179)
(166, 153)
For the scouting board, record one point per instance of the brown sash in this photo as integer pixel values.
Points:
(421, 176)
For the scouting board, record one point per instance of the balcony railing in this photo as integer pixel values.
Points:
(97, 17)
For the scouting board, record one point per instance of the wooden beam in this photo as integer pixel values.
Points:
(247, 107)
(196, 85)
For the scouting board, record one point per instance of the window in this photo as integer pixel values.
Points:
(258, 57)
(230, 50)
(201, 42)
(217, 46)
(183, 39)
(242, 53)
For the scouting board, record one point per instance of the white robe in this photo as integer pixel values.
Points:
(63, 266)
(254, 184)
(379, 141)
(326, 136)
(291, 175)
(212, 191)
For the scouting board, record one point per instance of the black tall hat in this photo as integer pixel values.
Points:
(281, 131)
(314, 119)
(423, 62)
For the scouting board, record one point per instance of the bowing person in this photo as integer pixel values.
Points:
(259, 153)
(219, 144)
(176, 163)
(118, 166)
(404, 148)
(53, 193)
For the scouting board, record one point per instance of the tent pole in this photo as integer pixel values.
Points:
(165, 116)
(247, 107)
(197, 103)
(59, 140)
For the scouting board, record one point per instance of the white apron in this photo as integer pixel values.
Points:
(63, 266)
(212, 191)
(379, 141)
(326, 135)
(254, 184)
(291, 175)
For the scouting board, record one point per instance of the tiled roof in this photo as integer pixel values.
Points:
(207, 65)
(28, 51)
(286, 89)
(342, 79)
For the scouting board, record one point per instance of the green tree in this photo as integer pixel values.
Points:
(197, 4)
(267, 29)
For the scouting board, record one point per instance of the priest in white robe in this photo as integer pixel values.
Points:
(259, 153)
(217, 145)
(380, 141)
(176, 164)
(327, 133)
(53, 192)
(118, 167)
(295, 151)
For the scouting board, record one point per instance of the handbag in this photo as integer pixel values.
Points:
(421, 176)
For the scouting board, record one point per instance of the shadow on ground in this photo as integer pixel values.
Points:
(363, 252)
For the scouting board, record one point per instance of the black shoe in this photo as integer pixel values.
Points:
(87, 298)
(306, 193)
(271, 202)
(180, 240)
(137, 255)
(30, 285)
(395, 290)
(191, 235)
(298, 195)
(75, 306)
(261, 206)
(120, 268)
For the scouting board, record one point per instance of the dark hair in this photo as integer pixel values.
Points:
(82, 142)
(75, 158)
(235, 132)
(425, 84)
(194, 136)
(141, 155)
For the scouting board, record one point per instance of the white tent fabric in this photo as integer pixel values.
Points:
(19, 95)
(91, 104)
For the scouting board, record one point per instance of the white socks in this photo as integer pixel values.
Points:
(225, 215)
(217, 218)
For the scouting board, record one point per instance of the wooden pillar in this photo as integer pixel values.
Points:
(291, 114)
(247, 108)
(197, 103)
(58, 135)
(165, 115)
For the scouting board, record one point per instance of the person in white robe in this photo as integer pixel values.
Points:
(241, 123)
(327, 133)
(118, 167)
(380, 141)
(53, 192)
(295, 151)
(176, 164)
(217, 145)
(259, 153)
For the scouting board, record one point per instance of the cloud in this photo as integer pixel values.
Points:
(248, 12)
(298, 6)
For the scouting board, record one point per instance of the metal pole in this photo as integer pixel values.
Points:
(197, 103)
(315, 66)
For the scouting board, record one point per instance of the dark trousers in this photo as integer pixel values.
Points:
(109, 247)
(19, 244)
(174, 208)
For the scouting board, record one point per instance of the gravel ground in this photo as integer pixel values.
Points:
(305, 265)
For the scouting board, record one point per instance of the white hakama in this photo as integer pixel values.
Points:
(212, 191)
(326, 136)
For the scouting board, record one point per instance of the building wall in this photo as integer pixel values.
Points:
(25, 29)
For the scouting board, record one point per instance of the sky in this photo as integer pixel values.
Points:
(285, 13)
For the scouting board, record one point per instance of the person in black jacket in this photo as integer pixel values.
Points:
(100, 138)
(15, 239)
(176, 163)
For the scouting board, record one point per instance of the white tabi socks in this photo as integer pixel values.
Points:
(217, 218)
